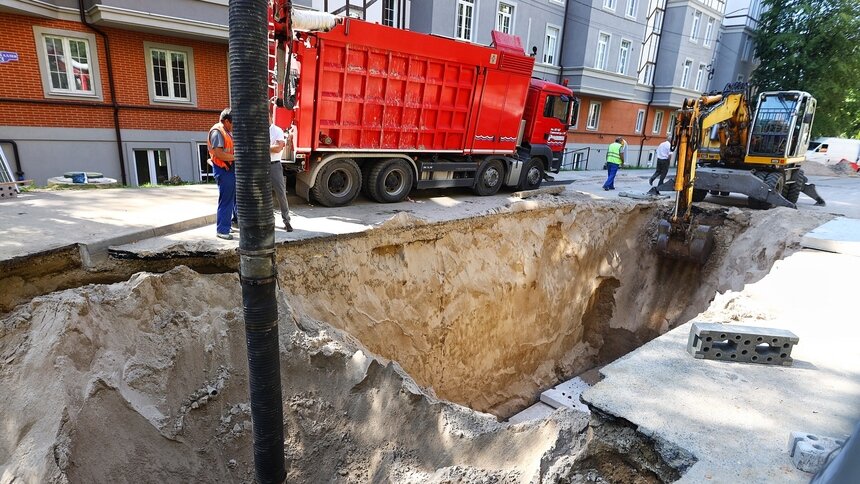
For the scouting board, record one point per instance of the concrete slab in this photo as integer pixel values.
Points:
(735, 417)
(840, 235)
(537, 411)
(566, 395)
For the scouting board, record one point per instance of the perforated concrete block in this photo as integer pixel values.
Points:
(749, 344)
(566, 395)
(809, 452)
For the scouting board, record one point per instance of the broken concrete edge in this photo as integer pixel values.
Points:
(551, 190)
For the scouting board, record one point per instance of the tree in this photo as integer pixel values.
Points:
(813, 46)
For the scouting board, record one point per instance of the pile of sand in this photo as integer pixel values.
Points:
(843, 168)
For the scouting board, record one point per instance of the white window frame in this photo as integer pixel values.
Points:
(605, 63)
(700, 78)
(511, 17)
(552, 58)
(457, 21)
(696, 26)
(626, 64)
(634, 4)
(747, 48)
(148, 47)
(392, 7)
(740, 78)
(709, 32)
(150, 156)
(209, 175)
(50, 92)
(686, 68)
(610, 4)
(658, 122)
(594, 109)
(640, 121)
(673, 118)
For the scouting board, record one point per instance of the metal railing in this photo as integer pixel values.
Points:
(576, 161)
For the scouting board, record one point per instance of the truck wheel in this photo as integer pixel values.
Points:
(390, 180)
(366, 168)
(337, 183)
(699, 195)
(490, 177)
(532, 174)
(792, 191)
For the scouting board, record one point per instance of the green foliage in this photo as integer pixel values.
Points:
(814, 46)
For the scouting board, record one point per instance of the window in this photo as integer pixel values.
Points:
(740, 78)
(658, 22)
(465, 19)
(685, 74)
(152, 166)
(557, 107)
(671, 124)
(658, 122)
(602, 50)
(700, 77)
(550, 45)
(389, 13)
(207, 174)
(640, 120)
(170, 73)
(593, 116)
(609, 4)
(631, 8)
(747, 49)
(574, 113)
(67, 64)
(709, 32)
(697, 21)
(505, 18)
(624, 56)
(647, 76)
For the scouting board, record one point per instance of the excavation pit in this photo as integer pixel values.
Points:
(146, 379)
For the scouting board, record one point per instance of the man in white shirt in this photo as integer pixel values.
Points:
(664, 154)
(276, 172)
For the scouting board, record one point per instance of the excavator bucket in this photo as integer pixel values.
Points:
(693, 243)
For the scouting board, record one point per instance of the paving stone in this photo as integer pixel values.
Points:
(809, 452)
(748, 344)
(566, 395)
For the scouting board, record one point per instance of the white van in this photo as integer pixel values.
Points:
(830, 151)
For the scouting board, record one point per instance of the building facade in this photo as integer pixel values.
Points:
(132, 91)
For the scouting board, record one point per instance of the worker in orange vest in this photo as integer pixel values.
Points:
(221, 153)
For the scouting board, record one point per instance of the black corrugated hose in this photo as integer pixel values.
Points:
(248, 95)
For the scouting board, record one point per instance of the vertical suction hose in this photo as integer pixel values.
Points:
(248, 94)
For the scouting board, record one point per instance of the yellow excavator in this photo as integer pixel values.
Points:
(722, 147)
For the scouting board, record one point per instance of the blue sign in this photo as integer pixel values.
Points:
(8, 57)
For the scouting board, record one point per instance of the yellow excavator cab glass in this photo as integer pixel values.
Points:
(782, 124)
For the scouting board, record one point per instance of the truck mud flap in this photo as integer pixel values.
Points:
(735, 181)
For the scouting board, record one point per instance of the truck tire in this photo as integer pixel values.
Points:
(366, 168)
(532, 174)
(390, 181)
(699, 195)
(792, 191)
(490, 177)
(337, 183)
(775, 180)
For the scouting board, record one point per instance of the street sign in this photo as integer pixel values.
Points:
(6, 57)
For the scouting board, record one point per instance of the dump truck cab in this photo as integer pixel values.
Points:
(546, 119)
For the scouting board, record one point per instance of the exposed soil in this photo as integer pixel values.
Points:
(145, 379)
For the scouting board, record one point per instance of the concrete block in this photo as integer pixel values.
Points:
(748, 344)
(841, 235)
(537, 411)
(810, 452)
(566, 395)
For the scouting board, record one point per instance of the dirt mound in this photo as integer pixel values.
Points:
(145, 381)
(843, 168)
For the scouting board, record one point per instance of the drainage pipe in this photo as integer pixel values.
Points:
(19, 172)
(249, 95)
(112, 86)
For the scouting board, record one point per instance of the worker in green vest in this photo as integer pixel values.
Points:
(614, 159)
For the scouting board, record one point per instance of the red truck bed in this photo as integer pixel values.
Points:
(368, 87)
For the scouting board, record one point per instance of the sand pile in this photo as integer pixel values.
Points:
(145, 381)
(842, 168)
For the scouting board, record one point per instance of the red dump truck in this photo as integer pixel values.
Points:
(383, 110)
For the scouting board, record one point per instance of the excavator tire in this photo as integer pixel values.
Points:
(775, 180)
(792, 191)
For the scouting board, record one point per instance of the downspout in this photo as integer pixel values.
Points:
(653, 89)
(257, 270)
(561, 47)
(112, 86)
(19, 172)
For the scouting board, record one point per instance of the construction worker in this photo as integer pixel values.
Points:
(221, 153)
(664, 155)
(614, 159)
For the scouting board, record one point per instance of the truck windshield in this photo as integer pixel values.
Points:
(557, 106)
